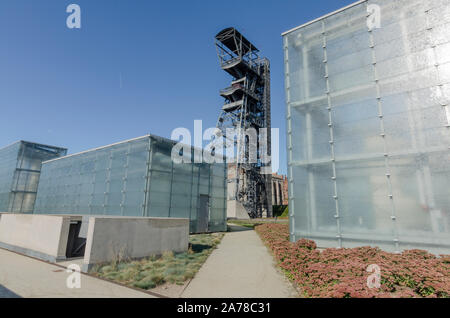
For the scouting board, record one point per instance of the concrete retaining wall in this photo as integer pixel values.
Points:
(107, 238)
(115, 238)
(40, 236)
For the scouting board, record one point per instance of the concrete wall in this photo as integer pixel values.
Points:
(115, 238)
(40, 236)
(107, 238)
(279, 190)
(235, 210)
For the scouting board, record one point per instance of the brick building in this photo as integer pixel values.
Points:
(279, 189)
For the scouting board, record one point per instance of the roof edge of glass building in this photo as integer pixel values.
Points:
(32, 143)
(324, 17)
(158, 138)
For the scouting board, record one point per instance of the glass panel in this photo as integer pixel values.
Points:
(20, 164)
(114, 181)
(364, 205)
(389, 93)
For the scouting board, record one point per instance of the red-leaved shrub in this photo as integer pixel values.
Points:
(342, 272)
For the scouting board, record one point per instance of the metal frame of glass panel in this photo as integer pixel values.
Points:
(133, 178)
(368, 127)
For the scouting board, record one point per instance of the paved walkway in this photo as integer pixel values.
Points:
(241, 267)
(26, 277)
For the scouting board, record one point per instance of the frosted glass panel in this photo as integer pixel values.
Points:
(369, 127)
(133, 178)
(20, 167)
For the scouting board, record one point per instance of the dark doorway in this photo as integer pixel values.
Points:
(203, 214)
(75, 243)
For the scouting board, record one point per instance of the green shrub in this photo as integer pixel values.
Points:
(280, 210)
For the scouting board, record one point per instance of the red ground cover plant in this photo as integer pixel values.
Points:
(341, 273)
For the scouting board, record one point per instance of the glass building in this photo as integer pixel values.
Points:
(20, 167)
(368, 126)
(135, 178)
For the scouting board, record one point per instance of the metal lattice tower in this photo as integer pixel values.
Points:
(247, 108)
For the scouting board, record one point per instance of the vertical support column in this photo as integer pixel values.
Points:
(192, 184)
(209, 194)
(26, 186)
(280, 190)
(443, 102)
(94, 176)
(383, 135)
(273, 193)
(171, 187)
(312, 224)
(311, 177)
(78, 196)
(435, 214)
(279, 201)
(330, 126)
(225, 190)
(274, 190)
(239, 152)
(148, 176)
(289, 144)
(416, 124)
(198, 196)
(124, 186)
(417, 139)
(108, 183)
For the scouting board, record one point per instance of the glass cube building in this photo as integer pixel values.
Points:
(368, 126)
(135, 178)
(20, 167)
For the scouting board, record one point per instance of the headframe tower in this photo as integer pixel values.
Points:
(247, 112)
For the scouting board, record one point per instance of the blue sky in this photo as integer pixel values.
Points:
(135, 66)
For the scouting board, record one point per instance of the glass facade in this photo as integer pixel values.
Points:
(20, 166)
(135, 178)
(368, 126)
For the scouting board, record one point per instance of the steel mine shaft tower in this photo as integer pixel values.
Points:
(247, 108)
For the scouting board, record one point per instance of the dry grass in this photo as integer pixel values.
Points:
(253, 223)
(172, 268)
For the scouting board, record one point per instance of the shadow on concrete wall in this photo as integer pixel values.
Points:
(6, 293)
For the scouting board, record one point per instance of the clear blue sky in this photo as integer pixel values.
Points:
(135, 67)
